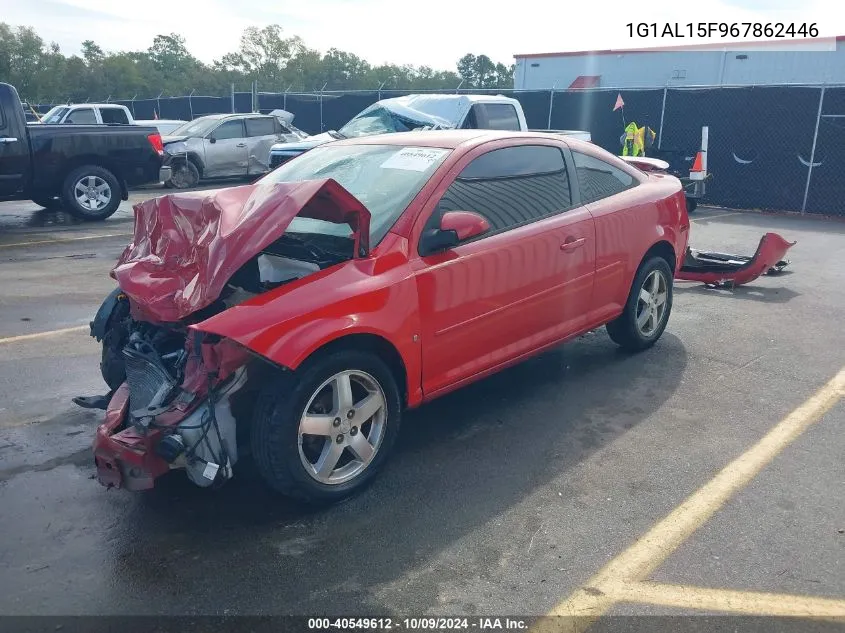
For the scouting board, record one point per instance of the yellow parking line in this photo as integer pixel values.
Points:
(27, 337)
(69, 239)
(643, 557)
(730, 601)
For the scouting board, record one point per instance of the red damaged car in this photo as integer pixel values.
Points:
(295, 318)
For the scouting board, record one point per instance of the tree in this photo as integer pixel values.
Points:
(263, 53)
(480, 72)
(277, 61)
(91, 53)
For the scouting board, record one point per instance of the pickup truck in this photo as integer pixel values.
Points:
(104, 114)
(86, 169)
(423, 112)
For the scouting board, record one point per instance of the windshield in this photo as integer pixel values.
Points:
(385, 178)
(54, 115)
(379, 121)
(195, 128)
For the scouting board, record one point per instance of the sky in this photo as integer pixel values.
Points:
(420, 32)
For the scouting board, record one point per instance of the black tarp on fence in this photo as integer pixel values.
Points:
(761, 138)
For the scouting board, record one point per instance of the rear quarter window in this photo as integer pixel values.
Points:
(599, 179)
(501, 116)
(114, 116)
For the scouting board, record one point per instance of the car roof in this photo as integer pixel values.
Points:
(450, 139)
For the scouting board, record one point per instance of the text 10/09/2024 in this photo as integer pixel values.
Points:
(722, 29)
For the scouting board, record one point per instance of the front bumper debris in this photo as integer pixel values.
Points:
(724, 270)
(125, 458)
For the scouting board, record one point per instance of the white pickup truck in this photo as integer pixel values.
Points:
(422, 112)
(104, 114)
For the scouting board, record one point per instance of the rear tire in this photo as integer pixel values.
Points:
(289, 459)
(91, 193)
(648, 307)
(692, 204)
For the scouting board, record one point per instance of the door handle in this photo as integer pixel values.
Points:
(570, 244)
(241, 145)
(7, 139)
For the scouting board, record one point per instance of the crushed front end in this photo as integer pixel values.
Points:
(175, 410)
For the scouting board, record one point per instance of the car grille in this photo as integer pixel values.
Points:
(149, 382)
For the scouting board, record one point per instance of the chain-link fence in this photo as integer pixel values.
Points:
(773, 148)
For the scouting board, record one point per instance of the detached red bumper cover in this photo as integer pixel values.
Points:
(723, 269)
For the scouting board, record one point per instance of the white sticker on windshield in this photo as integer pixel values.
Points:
(414, 158)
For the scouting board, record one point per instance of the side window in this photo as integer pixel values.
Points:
(82, 116)
(471, 120)
(230, 129)
(501, 116)
(599, 179)
(510, 187)
(114, 116)
(260, 126)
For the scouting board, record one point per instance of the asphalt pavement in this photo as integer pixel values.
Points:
(502, 498)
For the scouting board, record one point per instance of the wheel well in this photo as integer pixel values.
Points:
(97, 161)
(193, 157)
(373, 344)
(662, 249)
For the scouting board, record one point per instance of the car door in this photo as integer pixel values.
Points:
(226, 150)
(14, 156)
(524, 284)
(261, 134)
(618, 222)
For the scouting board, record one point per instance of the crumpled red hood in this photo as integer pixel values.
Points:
(186, 246)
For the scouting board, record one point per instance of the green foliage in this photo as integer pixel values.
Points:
(43, 74)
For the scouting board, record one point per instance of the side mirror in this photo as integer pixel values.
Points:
(455, 227)
(211, 139)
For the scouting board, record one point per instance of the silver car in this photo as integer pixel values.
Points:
(224, 146)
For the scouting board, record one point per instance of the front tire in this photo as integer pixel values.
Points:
(648, 307)
(91, 193)
(326, 430)
(185, 175)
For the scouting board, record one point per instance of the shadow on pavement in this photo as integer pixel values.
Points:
(750, 292)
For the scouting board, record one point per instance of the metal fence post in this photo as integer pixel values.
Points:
(321, 104)
(662, 114)
(813, 151)
(158, 103)
(190, 104)
(132, 105)
(551, 103)
(379, 90)
(233, 98)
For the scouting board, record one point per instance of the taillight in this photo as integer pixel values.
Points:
(155, 141)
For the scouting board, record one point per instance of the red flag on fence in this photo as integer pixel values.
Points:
(619, 102)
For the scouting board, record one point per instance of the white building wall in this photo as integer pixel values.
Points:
(683, 68)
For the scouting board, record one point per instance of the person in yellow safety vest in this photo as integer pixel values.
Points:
(635, 139)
